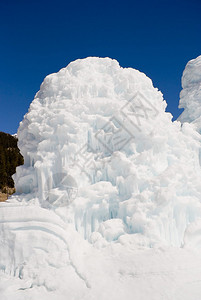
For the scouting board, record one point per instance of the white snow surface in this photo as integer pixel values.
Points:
(108, 202)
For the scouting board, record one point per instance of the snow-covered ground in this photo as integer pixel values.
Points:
(108, 202)
(45, 258)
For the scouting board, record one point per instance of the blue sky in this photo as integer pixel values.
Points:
(40, 37)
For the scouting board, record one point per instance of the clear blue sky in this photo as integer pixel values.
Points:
(37, 38)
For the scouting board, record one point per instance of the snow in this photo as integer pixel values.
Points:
(108, 200)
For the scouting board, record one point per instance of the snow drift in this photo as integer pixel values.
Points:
(106, 173)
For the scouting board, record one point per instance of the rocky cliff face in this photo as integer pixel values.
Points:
(10, 158)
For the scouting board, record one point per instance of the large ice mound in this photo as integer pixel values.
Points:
(134, 171)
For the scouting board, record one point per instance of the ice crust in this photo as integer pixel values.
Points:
(108, 180)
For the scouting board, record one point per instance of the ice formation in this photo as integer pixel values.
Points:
(191, 93)
(106, 173)
(106, 128)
